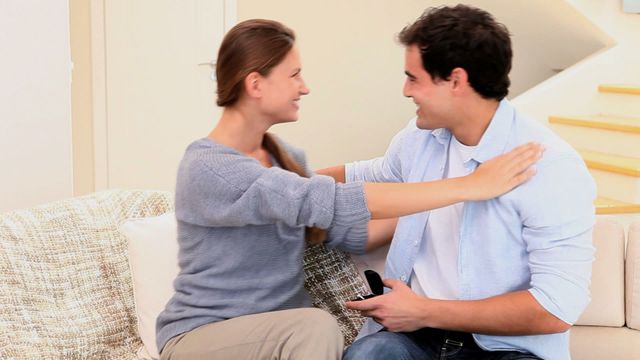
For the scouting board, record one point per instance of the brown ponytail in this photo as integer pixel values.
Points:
(252, 45)
(313, 235)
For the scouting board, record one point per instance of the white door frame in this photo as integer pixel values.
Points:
(100, 113)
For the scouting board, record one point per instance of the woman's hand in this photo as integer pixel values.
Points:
(504, 172)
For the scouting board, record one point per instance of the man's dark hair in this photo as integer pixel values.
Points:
(464, 37)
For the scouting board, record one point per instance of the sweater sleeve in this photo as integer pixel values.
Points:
(353, 237)
(233, 190)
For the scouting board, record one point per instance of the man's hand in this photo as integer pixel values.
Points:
(398, 310)
(515, 313)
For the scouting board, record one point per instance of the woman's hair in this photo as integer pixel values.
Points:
(257, 46)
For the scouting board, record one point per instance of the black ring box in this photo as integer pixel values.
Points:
(375, 284)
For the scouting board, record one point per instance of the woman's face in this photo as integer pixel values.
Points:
(283, 88)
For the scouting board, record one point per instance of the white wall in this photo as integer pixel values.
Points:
(354, 65)
(574, 91)
(35, 115)
(351, 62)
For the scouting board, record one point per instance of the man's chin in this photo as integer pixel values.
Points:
(423, 124)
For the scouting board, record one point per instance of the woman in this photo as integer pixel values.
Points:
(245, 207)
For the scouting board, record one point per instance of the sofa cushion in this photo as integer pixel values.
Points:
(65, 285)
(607, 281)
(153, 256)
(600, 342)
(632, 286)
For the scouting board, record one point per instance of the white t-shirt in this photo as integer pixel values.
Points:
(435, 272)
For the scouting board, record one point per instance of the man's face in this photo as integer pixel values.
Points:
(433, 98)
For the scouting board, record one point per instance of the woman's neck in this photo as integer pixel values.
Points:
(241, 131)
(237, 130)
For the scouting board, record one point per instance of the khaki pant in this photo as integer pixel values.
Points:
(304, 334)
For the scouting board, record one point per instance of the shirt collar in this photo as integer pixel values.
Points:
(495, 138)
(442, 135)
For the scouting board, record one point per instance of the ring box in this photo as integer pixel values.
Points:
(375, 284)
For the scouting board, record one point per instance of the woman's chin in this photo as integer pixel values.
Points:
(292, 117)
(288, 119)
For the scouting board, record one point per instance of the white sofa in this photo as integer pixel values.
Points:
(67, 291)
(609, 327)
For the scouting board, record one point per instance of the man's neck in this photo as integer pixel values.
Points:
(475, 118)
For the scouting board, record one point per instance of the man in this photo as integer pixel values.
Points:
(497, 279)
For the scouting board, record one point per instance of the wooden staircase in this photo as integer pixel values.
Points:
(610, 146)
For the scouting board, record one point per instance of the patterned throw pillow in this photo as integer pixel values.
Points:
(65, 286)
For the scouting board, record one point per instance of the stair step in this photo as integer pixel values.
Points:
(605, 122)
(619, 89)
(604, 141)
(624, 165)
(610, 206)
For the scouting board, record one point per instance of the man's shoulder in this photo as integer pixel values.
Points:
(526, 130)
(560, 162)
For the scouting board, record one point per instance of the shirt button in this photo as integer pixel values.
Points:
(403, 278)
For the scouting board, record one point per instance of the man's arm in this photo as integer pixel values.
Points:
(336, 172)
(387, 168)
(516, 313)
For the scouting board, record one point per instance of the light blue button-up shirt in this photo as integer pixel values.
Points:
(536, 237)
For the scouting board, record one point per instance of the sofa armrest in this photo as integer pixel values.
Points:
(632, 277)
(607, 281)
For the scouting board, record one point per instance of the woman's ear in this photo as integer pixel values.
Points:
(252, 84)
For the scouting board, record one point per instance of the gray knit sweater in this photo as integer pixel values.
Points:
(241, 235)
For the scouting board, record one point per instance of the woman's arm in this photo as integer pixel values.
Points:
(336, 172)
(380, 233)
(235, 190)
(493, 178)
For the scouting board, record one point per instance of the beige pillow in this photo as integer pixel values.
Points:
(153, 257)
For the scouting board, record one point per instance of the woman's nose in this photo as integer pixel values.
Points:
(304, 90)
